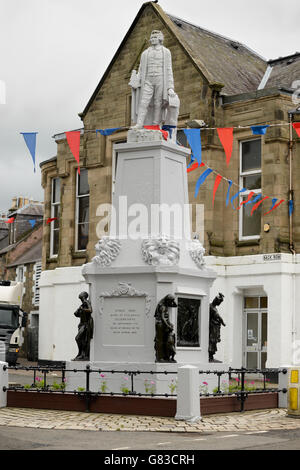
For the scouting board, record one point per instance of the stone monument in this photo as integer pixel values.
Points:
(149, 285)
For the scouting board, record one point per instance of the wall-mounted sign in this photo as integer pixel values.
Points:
(274, 257)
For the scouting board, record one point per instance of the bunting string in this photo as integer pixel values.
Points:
(193, 135)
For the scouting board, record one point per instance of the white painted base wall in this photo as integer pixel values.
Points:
(59, 290)
(279, 280)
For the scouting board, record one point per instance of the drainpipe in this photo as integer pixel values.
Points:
(291, 190)
(291, 240)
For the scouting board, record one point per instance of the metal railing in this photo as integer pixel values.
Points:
(241, 389)
(42, 386)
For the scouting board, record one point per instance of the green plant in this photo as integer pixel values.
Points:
(173, 386)
(27, 386)
(235, 386)
(59, 386)
(39, 383)
(80, 389)
(124, 386)
(103, 384)
(149, 386)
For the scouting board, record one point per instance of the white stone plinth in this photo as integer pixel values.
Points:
(150, 174)
(3, 383)
(188, 402)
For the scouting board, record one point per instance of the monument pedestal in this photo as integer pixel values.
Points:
(148, 255)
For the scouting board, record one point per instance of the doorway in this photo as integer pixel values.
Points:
(256, 332)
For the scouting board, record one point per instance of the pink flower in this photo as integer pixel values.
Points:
(205, 383)
(102, 375)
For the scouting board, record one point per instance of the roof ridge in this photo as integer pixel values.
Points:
(280, 59)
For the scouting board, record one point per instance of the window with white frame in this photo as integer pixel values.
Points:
(20, 273)
(82, 210)
(250, 178)
(37, 275)
(55, 213)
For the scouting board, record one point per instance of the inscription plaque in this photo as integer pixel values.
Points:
(124, 321)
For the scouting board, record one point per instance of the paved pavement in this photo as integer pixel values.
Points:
(250, 421)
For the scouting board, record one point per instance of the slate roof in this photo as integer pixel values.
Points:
(31, 209)
(229, 62)
(285, 71)
(220, 60)
(32, 255)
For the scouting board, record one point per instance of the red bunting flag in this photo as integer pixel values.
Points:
(247, 200)
(296, 126)
(73, 139)
(51, 220)
(10, 221)
(194, 167)
(275, 207)
(217, 182)
(226, 138)
(258, 204)
(157, 128)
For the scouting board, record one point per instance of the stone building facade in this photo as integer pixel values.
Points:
(225, 84)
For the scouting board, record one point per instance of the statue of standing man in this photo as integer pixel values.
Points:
(154, 101)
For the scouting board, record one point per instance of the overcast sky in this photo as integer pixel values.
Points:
(53, 53)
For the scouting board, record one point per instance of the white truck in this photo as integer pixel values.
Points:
(12, 321)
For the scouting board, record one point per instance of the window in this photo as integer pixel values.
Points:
(20, 274)
(250, 178)
(55, 213)
(182, 139)
(37, 275)
(82, 210)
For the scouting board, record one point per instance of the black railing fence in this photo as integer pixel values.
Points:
(235, 385)
(239, 387)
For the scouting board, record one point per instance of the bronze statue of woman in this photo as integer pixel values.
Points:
(215, 322)
(85, 328)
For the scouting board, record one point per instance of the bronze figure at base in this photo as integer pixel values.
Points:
(165, 348)
(215, 322)
(85, 328)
